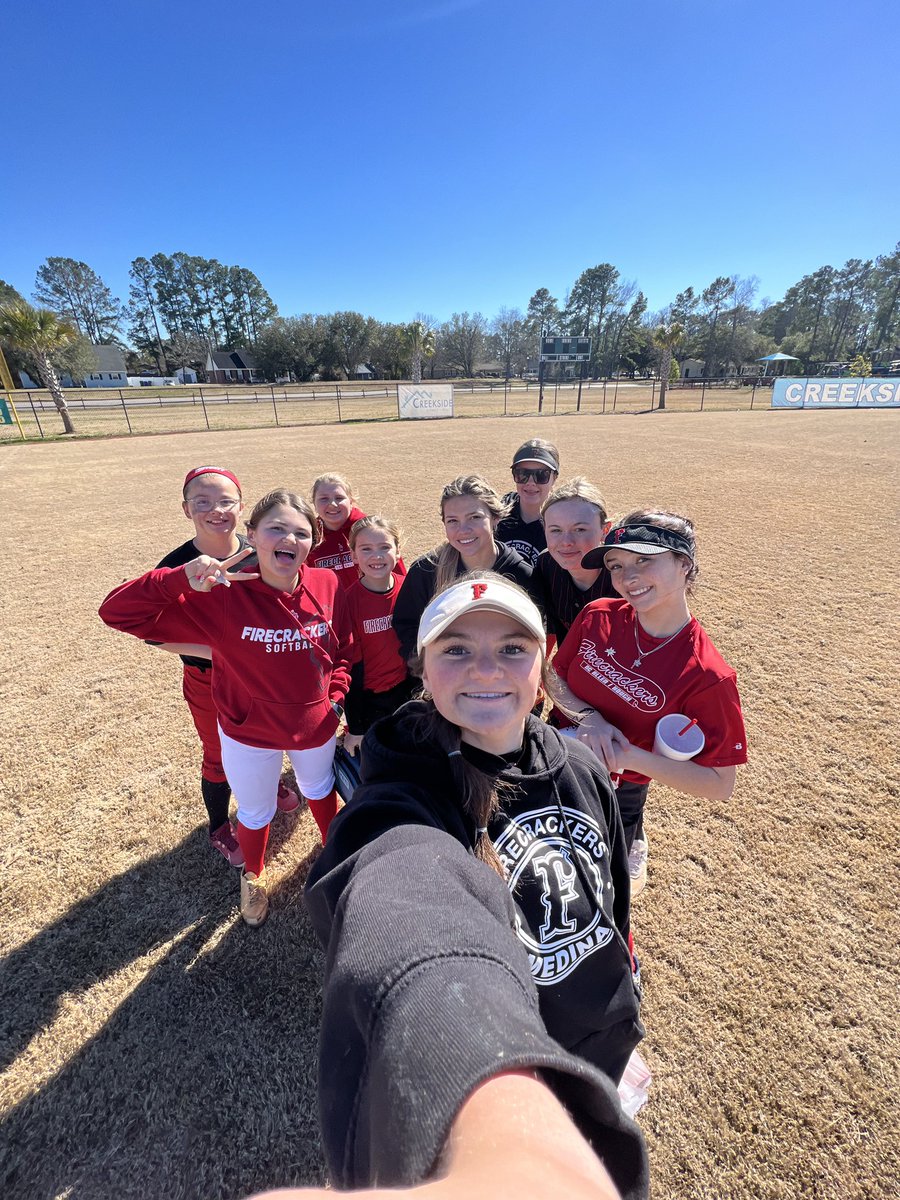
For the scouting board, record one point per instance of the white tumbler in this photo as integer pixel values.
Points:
(672, 743)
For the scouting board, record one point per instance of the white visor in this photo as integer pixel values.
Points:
(486, 595)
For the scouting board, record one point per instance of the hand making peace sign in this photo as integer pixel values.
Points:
(203, 572)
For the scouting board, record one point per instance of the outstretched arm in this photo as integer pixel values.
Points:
(428, 996)
(511, 1140)
(153, 607)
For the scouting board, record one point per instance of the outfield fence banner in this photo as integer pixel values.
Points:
(836, 393)
(424, 400)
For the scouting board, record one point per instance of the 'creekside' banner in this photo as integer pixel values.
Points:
(836, 393)
(424, 400)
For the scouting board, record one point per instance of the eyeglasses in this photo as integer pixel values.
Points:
(201, 504)
(540, 475)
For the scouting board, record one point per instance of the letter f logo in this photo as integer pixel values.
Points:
(478, 590)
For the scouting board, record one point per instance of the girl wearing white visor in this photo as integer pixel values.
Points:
(501, 841)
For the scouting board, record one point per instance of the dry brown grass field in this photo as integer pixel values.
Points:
(155, 1047)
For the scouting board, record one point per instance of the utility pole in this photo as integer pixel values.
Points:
(5, 376)
(541, 371)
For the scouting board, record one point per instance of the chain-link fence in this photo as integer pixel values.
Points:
(102, 412)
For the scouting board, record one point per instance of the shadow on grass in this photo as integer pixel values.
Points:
(202, 1081)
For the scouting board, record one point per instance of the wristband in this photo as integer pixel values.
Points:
(337, 709)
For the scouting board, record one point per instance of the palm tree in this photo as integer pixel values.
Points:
(40, 333)
(420, 343)
(667, 338)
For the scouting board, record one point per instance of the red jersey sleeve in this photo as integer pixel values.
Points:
(344, 650)
(161, 606)
(351, 600)
(718, 712)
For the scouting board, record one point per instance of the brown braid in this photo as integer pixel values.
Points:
(480, 796)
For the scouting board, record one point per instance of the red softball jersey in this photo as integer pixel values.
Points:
(333, 552)
(598, 661)
(375, 644)
(279, 658)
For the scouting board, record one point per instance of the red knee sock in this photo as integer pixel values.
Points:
(253, 845)
(324, 811)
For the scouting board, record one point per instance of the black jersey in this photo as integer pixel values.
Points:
(526, 537)
(560, 599)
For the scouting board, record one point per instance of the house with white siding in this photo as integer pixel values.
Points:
(110, 370)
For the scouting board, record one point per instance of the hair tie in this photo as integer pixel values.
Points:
(481, 828)
(454, 753)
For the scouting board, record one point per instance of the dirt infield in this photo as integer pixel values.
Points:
(154, 1046)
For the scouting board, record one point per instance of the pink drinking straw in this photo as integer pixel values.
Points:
(690, 725)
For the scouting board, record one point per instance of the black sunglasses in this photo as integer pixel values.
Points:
(540, 475)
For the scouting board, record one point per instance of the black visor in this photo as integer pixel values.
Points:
(639, 539)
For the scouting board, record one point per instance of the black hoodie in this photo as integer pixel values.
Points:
(418, 589)
(437, 971)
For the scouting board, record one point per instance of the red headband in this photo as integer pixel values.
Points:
(197, 471)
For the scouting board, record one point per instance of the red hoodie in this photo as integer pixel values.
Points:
(279, 658)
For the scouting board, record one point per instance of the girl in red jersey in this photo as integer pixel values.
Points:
(336, 510)
(626, 663)
(211, 499)
(380, 681)
(281, 646)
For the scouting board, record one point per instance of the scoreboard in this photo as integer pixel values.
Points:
(565, 349)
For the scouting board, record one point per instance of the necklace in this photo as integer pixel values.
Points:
(642, 654)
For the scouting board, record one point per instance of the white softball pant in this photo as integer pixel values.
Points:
(254, 773)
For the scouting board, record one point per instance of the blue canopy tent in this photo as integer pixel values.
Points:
(779, 357)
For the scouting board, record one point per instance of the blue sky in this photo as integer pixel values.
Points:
(440, 155)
